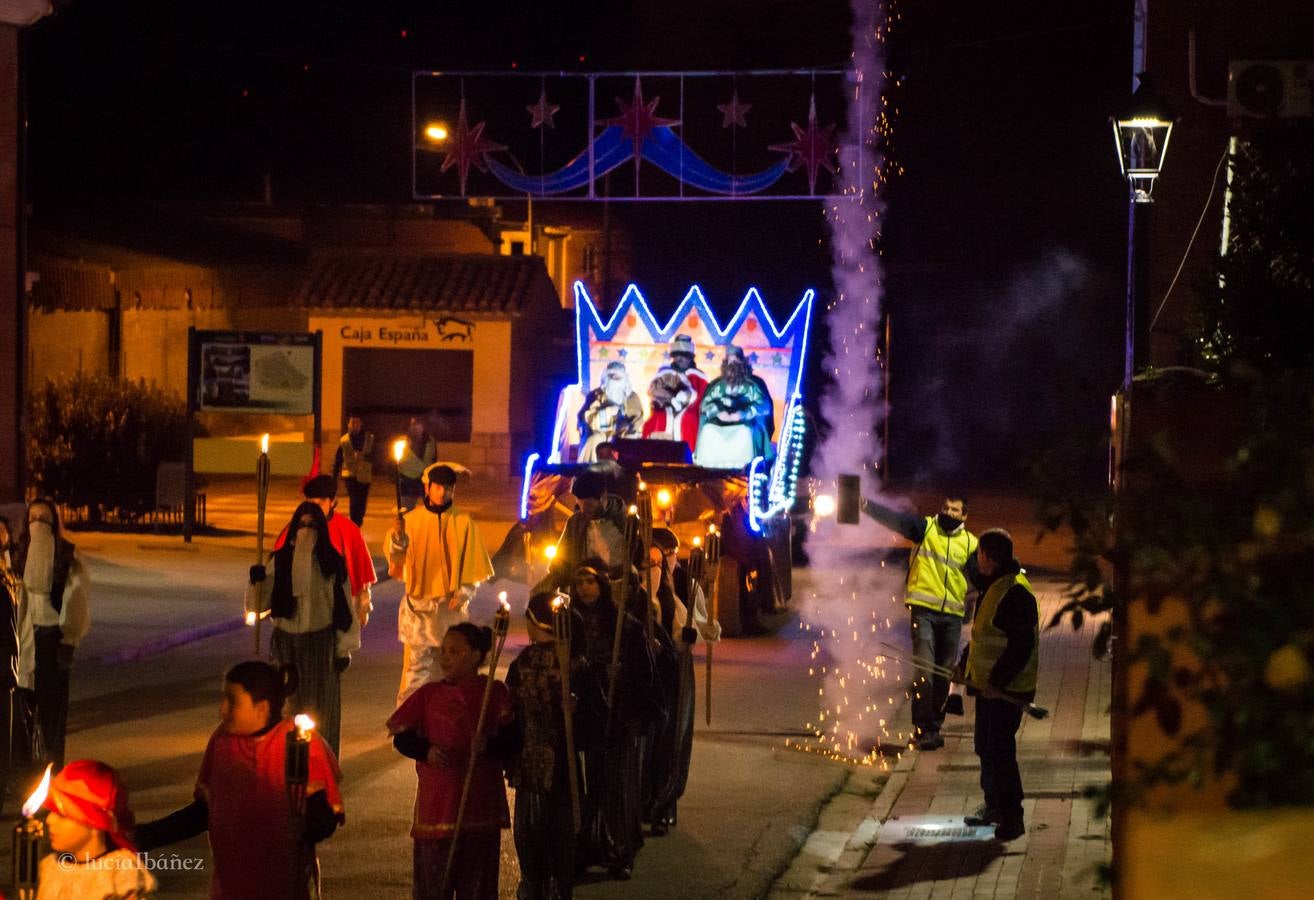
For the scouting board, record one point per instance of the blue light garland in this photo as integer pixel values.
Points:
(589, 323)
(524, 487)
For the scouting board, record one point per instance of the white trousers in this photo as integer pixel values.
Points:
(420, 658)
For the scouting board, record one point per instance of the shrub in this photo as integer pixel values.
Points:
(96, 442)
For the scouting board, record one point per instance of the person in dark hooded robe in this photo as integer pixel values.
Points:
(315, 627)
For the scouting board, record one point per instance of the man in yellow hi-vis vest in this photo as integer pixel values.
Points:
(999, 666)
(941, 570)
(353, 465)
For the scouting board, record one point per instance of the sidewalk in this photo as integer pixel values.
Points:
(913, 843)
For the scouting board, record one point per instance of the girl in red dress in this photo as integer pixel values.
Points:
(435, 726)
(241, 795)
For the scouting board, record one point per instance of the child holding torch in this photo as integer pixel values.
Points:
(242, 795)
(455, 729)
(93, 858)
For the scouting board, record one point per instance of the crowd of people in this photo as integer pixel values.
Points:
(593, 727)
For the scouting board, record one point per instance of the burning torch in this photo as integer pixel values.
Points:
(713, 562)
(561, 639)
(262, 498)
(29, 840)
(501, 626)
(296, 775)
(398, 451)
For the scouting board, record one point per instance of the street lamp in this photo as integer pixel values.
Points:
(436, 135)
(1140, 132)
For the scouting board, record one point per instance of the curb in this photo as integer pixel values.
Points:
(170, 642)
(177, 639)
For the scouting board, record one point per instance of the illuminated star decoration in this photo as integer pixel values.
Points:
(637, 119)
(734, 112)
(812, 148)
(543, 112)
(469, 146)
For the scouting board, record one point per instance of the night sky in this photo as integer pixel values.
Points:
(1004, 234)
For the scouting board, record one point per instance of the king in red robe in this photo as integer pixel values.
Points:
(677, 396)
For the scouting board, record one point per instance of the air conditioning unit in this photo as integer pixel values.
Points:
(1270, 88)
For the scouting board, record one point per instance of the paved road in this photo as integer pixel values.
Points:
(751, 801)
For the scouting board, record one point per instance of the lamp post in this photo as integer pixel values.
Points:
(1140, 132)
(436, 135)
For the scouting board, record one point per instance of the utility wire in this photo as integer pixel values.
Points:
(1213, 186)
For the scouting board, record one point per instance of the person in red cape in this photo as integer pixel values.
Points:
(346, 537)
(241, 795)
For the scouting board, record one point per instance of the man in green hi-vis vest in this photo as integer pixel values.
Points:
(999, 666)
(940, 571)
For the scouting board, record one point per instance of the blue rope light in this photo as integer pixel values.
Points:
(524, 488)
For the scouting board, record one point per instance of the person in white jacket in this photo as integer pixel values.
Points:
(54, 615)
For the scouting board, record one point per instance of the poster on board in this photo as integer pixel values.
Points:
(255, 373)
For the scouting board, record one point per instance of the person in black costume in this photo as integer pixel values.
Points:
(543, 828)
(614, 758)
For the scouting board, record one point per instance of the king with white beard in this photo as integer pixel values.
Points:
(611, 410)
(54, 615)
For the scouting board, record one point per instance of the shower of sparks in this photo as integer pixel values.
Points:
(859, 688)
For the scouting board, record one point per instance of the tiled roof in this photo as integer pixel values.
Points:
(70, 285)
(504, 285)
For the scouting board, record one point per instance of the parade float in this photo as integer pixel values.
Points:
(747, 507)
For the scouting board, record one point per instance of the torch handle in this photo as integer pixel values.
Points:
(262, 499)
(613, 670)
(572, 774)
(714, 613)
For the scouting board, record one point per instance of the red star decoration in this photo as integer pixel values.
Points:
(542, 112)
(469, 147)
(812, 148)
(637, 118)
(734, 112)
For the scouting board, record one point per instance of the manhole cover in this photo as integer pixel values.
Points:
(930, 830)
(962, 832)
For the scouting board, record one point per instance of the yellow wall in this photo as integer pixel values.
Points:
(1218, 856)
(155, 343)
(65, 343)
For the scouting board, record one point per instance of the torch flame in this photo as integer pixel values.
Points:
(305, 725)
(643, 485)
(663, 498)
(711, 529)
(501, 601)
(251, 618)
(398, 449)
(559, 602)
(697, 541)
(550, 551)
(634, 510)
(264, 444)
(38, 796)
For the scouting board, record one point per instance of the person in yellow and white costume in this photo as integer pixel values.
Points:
(436, 551)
